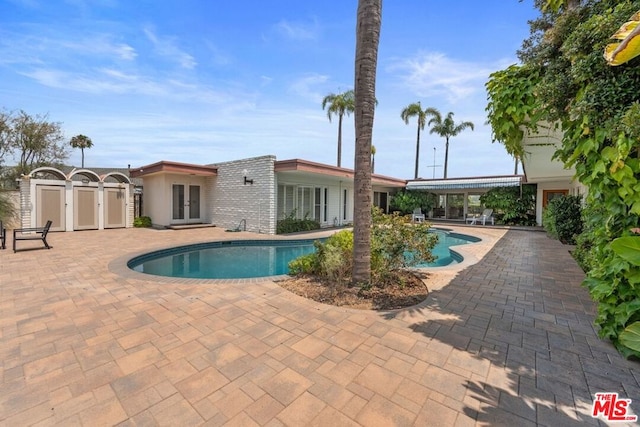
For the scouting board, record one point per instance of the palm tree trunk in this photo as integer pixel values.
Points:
(415, 175)
(373, 163)
(515, 170)
(339, 140)
(367, 40)
(446, 157)
(82, 151)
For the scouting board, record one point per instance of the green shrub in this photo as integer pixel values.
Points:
(406, 201)
(512, 205)
(395, 244)
(142, 221)
(7, 209)
(563, 218)
(549, 222)
(292, 224)
(305, 264)
(585, 252)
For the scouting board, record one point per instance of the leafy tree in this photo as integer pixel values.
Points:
(512, 205)
(415, 110)
(447, 128)
(340, 104)
(81, 142)
(6, 135)
(366, 60)
(33, 140)
(512, 108)
(406, 201)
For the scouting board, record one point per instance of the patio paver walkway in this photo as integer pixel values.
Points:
(509, 341)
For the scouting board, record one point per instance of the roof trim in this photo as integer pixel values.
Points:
(164, 166)
(299, 165)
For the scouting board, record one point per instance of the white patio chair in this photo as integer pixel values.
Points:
(417, 215)
(487, 215)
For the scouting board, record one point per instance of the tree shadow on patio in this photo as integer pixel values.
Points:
(516, 329)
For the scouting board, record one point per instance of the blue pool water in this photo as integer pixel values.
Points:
(255, 258)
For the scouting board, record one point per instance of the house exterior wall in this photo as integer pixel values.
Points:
(156, 205)
(158, 197)
(234, 202)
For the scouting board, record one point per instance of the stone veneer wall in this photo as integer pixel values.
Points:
(233, 201)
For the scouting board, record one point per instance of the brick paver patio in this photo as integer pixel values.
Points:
(509, 341)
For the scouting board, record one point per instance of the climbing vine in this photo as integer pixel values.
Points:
(597, 108)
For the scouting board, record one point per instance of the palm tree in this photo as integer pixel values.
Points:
(367, 40)
(447, 128)
(415, 110)
(373, 158)
(339, 104)
(81, 142)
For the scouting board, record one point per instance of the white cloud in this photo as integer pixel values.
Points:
(38, 46)
(166, 46)
(435, 74)
(297, 30)
(307, 86)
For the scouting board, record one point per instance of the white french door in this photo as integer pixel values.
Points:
(185, 203)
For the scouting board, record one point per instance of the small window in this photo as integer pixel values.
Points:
(344, 205)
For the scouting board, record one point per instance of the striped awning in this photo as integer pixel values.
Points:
(465, 183)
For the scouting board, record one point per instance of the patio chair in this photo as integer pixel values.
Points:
(417, 215)
(3, 236)
(487, 215)
(33, 233)
(472, 219)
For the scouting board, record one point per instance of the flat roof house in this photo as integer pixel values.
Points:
(254, 193)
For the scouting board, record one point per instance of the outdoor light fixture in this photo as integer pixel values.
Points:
(246, 181)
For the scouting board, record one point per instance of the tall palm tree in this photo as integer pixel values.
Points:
(367, 40)
(81, 142)
(373, 158)
(415, 110)
(339, 105)
(447, 128)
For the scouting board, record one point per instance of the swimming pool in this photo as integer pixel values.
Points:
(243, 259)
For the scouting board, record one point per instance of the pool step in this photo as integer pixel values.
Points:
(189, 226)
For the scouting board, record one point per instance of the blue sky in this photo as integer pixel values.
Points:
(205, 81)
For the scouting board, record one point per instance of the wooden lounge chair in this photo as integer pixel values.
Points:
(34, 233)
(3, 236)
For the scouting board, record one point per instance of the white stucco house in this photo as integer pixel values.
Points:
(550, 175)
(253, 194)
